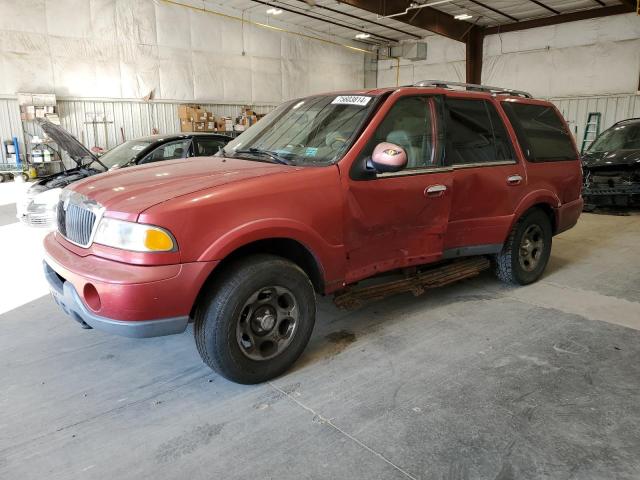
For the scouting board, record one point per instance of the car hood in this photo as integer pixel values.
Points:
(614, 158)
(67, 142)
(133, 190)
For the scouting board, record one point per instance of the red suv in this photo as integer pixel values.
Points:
(324, 192)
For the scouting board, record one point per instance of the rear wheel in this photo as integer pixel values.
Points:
(526, 252)
(256, 319)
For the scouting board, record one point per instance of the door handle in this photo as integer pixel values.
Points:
(435, 190)
(514, 180)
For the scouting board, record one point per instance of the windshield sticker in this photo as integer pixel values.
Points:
(310, 152)
(351, 100)
(138, 147)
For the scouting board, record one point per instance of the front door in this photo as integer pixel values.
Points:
(399, 219)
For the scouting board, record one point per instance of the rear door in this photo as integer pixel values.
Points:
(399, 219)
(488, 179)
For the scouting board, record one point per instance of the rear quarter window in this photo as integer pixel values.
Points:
(541, 133)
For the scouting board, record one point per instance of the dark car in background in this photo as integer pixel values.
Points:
(37, 207)
(611, 167)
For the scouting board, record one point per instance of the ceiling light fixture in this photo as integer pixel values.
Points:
(463, 16)
(274, 11)
(363, 35)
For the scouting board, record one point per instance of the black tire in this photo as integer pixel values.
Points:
(25, 177)
(3, 178)
(221, 316)
(510, 265)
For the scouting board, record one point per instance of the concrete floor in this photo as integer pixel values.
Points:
(472, 381)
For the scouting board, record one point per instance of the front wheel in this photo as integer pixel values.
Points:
(256, 319)
(526, 252)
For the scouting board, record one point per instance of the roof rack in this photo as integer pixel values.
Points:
(472, 87)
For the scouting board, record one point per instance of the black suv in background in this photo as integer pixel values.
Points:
(611, 167)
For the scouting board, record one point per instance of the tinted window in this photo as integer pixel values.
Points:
(208, 146)
(408, 125)
(169, 151)
(541, 133)
(475, 133)
(625, 136)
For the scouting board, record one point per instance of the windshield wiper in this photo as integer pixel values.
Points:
(273, 155)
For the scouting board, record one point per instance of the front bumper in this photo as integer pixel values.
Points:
(617, 196)
(66, 296)
(124, 299)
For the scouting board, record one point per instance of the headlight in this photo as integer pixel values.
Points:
(133, 236)
(48, 198)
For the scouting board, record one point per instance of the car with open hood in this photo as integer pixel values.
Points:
(358, 194)
(611, 167)
(37, 206)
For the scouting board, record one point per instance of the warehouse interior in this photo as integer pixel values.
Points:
(472, 380)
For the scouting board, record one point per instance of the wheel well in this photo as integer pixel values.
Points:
(546, 208)
(283, 247)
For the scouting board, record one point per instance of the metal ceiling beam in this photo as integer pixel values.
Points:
(323, 19)
(547, 7)
(426, 18)
(473, 53)
(558, 19)
(346, 14)
(495, 10)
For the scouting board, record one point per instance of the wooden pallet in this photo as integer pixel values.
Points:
(416, 283)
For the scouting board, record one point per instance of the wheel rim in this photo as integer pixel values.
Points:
(531, 248)
(267, 323)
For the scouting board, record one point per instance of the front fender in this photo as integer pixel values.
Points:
(331, 258)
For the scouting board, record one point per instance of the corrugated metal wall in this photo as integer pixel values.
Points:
(612, 107)
(105, 123)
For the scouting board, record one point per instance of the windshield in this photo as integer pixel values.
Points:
(310, 131)
(621, 137)
(123, 153)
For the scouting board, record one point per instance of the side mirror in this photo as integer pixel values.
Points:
(388, 157)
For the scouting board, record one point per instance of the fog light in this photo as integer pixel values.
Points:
(91, 297)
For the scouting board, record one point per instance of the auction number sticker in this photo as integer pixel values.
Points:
(351, 100)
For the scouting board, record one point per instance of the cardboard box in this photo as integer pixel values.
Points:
(189, 112)
(186, 125)
(210, 127)
(210, 117)
(198, 126)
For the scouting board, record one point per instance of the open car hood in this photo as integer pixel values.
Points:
(67, 142)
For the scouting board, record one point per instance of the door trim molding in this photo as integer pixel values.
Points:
(485, 164)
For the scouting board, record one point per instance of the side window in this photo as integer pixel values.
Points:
(168, 151)
(409, 125)
(504, 147)
(540, 131)
(208, 146)
(475, 133)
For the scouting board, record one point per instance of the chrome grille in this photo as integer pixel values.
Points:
(77, 218)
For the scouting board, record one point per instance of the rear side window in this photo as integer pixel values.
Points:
(475, 133)
(208, 146)
(540, 131)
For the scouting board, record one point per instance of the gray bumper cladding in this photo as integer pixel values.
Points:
(66, 296)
